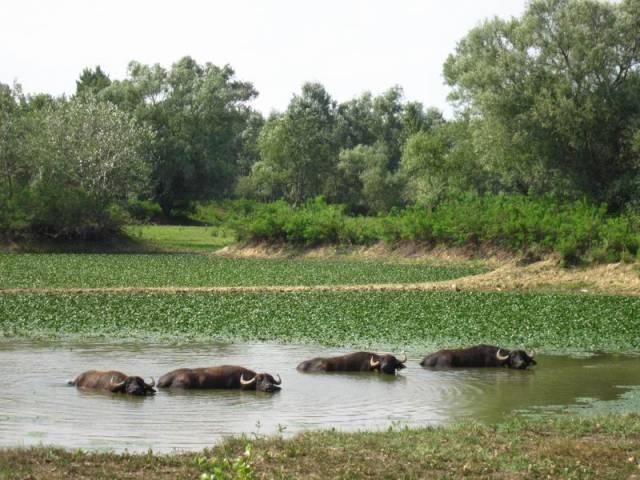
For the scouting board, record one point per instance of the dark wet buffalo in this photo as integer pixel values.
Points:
(479, 356)
(354, 362)
(225, 376)
(114, 381)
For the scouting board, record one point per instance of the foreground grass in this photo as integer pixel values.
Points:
(556, 322)
(564, 447)
(166, 270)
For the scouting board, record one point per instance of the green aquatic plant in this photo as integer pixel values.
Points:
(180, 270)
(418, 320)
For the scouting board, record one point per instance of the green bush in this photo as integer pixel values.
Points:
(579, 231)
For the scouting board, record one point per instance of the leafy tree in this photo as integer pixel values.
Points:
(89, 158)
(249, 153)
(10, 161)
(416, 119)
(558, 95)
(199, 114)
(371, 129)
(355, 122)
(299, 148)
(91, 82)
(388, 125)
(441, 163)
(20, 122)
(366, 185)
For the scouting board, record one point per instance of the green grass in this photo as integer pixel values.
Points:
(563, 447)
(166, 270)
(181, 238)
(413, 320)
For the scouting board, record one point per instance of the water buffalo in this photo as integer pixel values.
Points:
(354, 362)
(114, 381)
(479, 356)
(225, 376)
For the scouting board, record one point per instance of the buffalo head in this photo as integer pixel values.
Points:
(518, 359)
(262, 382)
(133, 386)
(387, 363)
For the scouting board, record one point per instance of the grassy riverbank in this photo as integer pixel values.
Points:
(387, 319)
(563, 447)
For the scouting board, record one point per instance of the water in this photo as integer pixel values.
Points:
(36, 405)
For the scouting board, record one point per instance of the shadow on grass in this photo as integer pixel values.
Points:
(119, 243)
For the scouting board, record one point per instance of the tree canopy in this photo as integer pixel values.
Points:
(546, 104)
(199, 114)
(558, 95)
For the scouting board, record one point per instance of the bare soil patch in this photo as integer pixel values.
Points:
(399, 252)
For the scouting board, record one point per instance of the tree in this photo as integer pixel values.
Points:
(387, 126)
(415, 120)
(199, 114)
(90, 157)
(249, 153)
(20, 121)
(441, 163)
(299, 147)
(10, 133)
(91, 82)
(366, 185)
(355, 122)
(558, 95)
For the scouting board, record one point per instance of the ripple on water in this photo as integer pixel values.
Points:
(38, 407)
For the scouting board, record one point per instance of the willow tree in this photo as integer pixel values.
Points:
(557, 93)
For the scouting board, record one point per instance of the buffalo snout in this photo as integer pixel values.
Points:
(520, 360)
(136, 386)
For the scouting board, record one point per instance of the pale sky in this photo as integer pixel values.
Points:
(350, 46)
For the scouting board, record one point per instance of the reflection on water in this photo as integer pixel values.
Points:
(36, 405)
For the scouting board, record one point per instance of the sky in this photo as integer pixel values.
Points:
(350, 46)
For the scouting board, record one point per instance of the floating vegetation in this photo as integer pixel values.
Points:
(556, 322)
(176, 270)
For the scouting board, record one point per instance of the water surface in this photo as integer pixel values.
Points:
(36, 405)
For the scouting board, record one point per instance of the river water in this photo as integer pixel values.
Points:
(38, 407)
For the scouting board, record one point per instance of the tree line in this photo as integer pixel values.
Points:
(547, 104)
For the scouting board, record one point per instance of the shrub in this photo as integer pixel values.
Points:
(579, 231)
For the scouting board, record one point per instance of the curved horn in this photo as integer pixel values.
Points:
(374, 364)
(532, 354)
(404, 358)
(116, 384)
(152, 384)
(279, 379)
(501, 357)
(247, 382)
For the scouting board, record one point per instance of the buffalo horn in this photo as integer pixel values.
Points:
(501, 357)
(532, 354)
(374, 364)
(279, 379)
(116, 384)
(404, 358)
(152, 384)
(247, 382)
